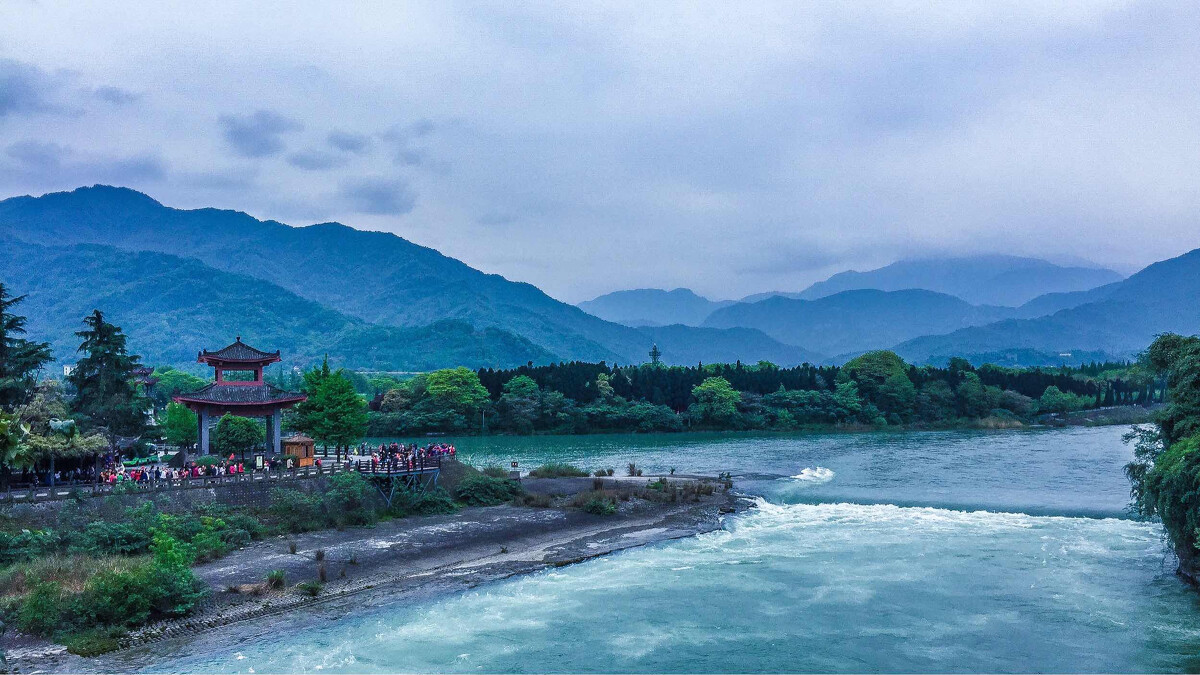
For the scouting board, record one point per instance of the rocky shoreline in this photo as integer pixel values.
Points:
(408, 559)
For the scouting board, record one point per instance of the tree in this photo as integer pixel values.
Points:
(180, 427)
(238, 434)
(172, 382)
(105, 393)
(334, 413)
(342, 412)
(20, 359)
(518, 405)
(50, 434)
(457, 389)
(716, 400)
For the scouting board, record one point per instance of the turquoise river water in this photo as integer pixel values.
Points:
(1004, 551)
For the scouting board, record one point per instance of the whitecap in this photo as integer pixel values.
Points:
(815, 475)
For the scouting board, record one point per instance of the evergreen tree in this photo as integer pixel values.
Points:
(334, 413)
(180, 427)
(106, 395)
(20, 359)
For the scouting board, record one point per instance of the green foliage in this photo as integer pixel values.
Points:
(558, 470)
(172, 382)
(43, 609)
(480, 490)
(103, 379)
(310, 588)
(716, 400)
(427, 503)
(20, 359)
(237, 435)
(296, 511)
(276, 579)
(457, 389)
(600, 505)
(1056, 401)
(350, 500)
(180, 426)
(494, 471)
(95, 641)
(334, 413)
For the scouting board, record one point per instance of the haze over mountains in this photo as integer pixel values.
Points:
(180, 280)
(368, 280)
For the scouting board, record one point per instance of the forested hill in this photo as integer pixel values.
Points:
(981, 280)
(1122, 320)
(856, 321)
(375, 277)
(172, 307)
(653, 307)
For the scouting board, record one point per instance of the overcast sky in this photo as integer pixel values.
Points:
(586, 147)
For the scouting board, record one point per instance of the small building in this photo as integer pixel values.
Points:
(300, 446)
(251, 397)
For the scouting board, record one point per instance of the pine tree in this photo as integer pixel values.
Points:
(20, 359)
(105, 392)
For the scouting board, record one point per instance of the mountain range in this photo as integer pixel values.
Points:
(359, 282)
(653, 307)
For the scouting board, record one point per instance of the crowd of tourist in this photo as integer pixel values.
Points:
(404, 456)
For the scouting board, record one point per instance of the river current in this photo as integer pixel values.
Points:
(1002, 551)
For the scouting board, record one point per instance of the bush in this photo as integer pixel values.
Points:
(43, 610)
(600, 506)
(494, 471)
(558, 470)
(351, 500)
(428, 503)
(276, 579)
(295, 511)
(486, 491)
(94, 642)
(310, 588)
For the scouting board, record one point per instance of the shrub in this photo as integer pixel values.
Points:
(295, 511)
(558, 470)
(351, 500)
(494, 471)
(94, 642)
(428, 503)
(600, 506)
(633, 470)
(276, 579)
(310, 588)
(534, 500)
(43, 609)
(486, 491)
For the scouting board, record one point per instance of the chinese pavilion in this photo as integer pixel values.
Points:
(245, 398)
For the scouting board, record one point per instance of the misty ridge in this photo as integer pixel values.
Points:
(173, 277)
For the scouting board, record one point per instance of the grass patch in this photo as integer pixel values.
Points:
(481, 490)
(558, 470)
(94, 642)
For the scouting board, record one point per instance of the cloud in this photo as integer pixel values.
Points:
(115, 95)
(26, 89)
(41, 160)
(314, 160)
(379, 196)
(259, 134)
(349, 142)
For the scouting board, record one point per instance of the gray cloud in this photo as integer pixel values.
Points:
(115, 95)
(259, 134)
(379, 196)
(48, 161)
(349, 142)
(729, 148)
(314, 160)
(26, 89)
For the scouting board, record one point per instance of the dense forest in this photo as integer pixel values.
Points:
(877, 389)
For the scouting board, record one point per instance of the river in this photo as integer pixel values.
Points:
(1001, 551)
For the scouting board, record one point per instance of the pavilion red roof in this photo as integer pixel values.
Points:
(238, 352)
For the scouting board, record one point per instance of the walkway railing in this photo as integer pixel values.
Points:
(43, 493)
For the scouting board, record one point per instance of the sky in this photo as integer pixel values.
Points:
(586, 147)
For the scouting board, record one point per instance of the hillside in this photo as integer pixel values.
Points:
(172, 307)
(855, 321)
(653, 307)
(714, 343)
(1164, 297)
(1007, 281)
(375, 277)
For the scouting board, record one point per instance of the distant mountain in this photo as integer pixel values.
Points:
(855, 321)
(171, 308)
(716, 342)
(653, 307)
(981, 280)
(756, 297)
(375, 277)
(1122, 319)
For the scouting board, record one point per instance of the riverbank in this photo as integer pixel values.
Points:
(408, 558)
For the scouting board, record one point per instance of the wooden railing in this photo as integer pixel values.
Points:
(30, 494)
